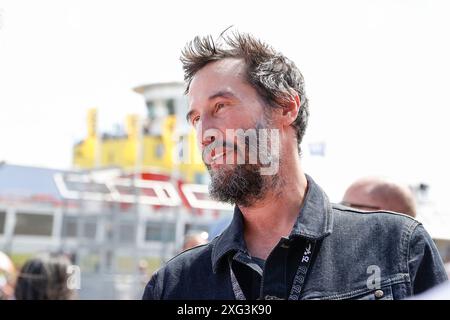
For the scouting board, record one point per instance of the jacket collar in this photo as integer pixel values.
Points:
(314, 222)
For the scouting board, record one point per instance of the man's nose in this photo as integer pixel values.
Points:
(208, 132)
(207, 138)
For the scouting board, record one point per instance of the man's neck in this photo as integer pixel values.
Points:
(273, 217)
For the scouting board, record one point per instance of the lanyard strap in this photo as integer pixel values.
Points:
(302, 269)
(299, 278)
(238, 294)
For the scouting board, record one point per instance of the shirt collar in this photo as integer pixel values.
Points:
(314, 222)
(231, 239)
(315, 217)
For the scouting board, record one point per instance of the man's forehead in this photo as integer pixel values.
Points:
(230, 66)
(216, 75)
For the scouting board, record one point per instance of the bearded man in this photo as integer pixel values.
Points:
(248, 105)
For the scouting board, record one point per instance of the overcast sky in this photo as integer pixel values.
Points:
(377, 75)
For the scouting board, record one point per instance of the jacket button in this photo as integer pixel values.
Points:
(379, 294)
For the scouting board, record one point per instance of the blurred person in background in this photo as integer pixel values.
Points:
(143, 267)
(372, 193)
(195, 239)
(7, 275)
(286, 240)
(44, 277)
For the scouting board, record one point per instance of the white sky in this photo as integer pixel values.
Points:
(377, 75)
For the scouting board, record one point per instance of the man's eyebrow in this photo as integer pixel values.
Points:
(224, 94)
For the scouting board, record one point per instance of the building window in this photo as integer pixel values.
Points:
(181, 145)
(157, 231)
(30, 224)
(196, 228)
(171, 106)
(159, 151)
(70, 228)
(127, 233)
(90, 230)
(2, 222)
(151, 109)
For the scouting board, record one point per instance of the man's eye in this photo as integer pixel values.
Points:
(195, 120)
(219, 106)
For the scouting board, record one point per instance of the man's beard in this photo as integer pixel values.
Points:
(241, 184)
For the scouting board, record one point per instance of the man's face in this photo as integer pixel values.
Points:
(221, 101)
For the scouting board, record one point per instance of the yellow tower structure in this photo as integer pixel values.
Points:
(84, 155)
(162, 142)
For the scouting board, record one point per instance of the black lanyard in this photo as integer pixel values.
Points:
(299, 278)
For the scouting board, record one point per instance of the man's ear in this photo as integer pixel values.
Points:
(290, 109)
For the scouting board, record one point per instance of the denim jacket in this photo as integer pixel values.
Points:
(358, 255)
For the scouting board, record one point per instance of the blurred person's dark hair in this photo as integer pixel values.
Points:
(275, 77)
(44, 277)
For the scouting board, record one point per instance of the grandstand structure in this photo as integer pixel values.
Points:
(108, 220)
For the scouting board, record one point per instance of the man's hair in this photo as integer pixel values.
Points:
(275, 77)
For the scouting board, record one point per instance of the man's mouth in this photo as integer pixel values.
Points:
(220, 155)
(217, 156)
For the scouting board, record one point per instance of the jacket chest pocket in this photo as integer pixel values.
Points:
(383, 293)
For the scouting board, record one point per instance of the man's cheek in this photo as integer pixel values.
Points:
(272, 157)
